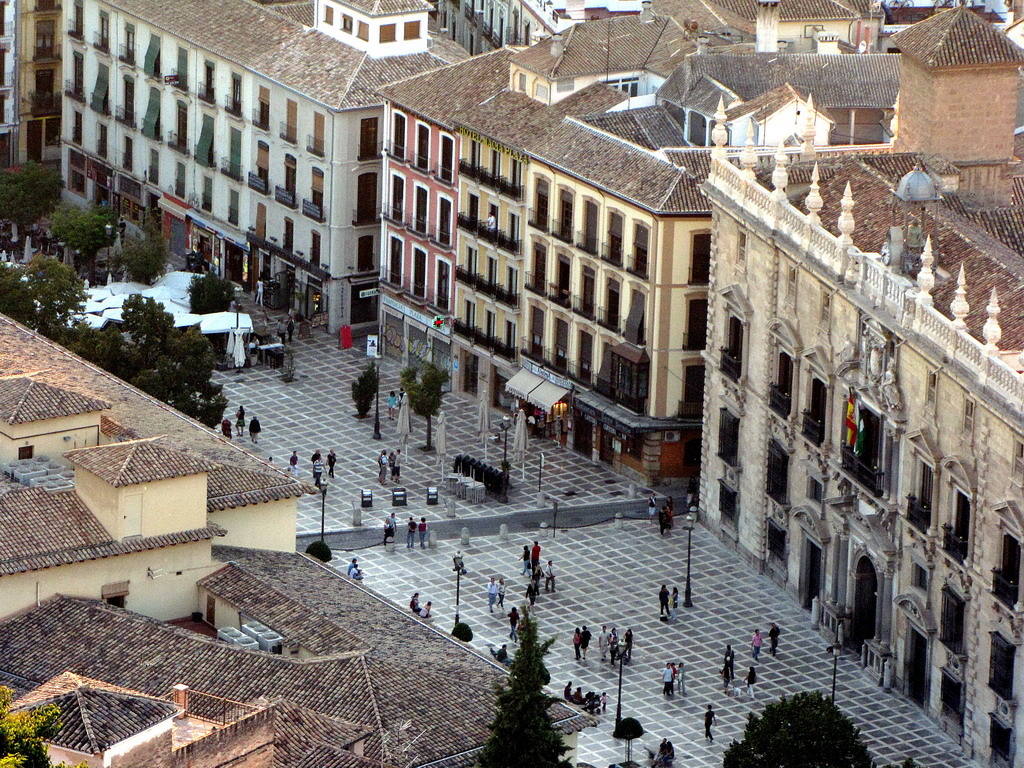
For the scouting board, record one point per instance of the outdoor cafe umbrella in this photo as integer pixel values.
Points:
(403, 421)
(441, 439)
(238, 349)
(519, 439)
(28, 250)
(483, 424)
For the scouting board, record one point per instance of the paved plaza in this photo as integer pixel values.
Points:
(316, 411)
(613, 577)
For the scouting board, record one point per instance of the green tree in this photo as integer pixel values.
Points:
(16, 296)
(23, 734)
(425, 388)
(144, 258)
(181, 378)
(28, 193)
(522, 732)
(84, 229)
(805, 731)
(364, 389)
(105, 347)
(209, 293)
(44, 295)
(150, 329)
(320, 551)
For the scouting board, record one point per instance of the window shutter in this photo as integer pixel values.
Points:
(182, 67)
(152, 52)
(205, 141)
(99, 93)
(236, 149)
(152, 114)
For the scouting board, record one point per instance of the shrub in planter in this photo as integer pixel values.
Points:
(320, 551)
(364, 389)
(462, 632)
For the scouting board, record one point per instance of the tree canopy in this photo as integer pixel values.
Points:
(364, 389)
(144, 258)
(209, 293)
(804, 731)
(522, 732)
(425, 389)
(28, 193)
(23, 735)
(84, 229)
(43, 294)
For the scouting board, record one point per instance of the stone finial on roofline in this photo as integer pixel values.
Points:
(846, 222)
(809, 132)
(991, 330)
(780, 175)
(720, 134)
(748, 157)
(813, 200)
(926, 277)
(959, 306)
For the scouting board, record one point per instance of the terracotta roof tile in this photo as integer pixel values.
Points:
(793, 10)
(137, 461)
(23, 399)
(650, 127)
(957, 37)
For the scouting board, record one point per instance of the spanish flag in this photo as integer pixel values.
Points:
(850, 422)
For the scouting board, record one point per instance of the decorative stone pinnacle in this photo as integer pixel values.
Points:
(720, 134)
(846, 222)
(926, 277)
(813, 200)
(780, 175)
(809, 132)
(991, 330)
(959, 306)
(748, 157)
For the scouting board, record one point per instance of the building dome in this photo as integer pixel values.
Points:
(916, 187)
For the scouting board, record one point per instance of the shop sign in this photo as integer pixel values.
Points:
(426, 320)
(469, 133)
(541, 371)
(368, 293)
(372, 345)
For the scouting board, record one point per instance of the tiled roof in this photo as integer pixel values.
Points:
(43, 529)
(650, 127)
(442, 95)
(300, 13)
(270, 44)
(24, 399)
(616, 44)
(957, 37)
(241, 477)
(793, 10)
(93, 717)
(834, 80)
(410, 670)
(706, 14)
(137, 461)
(768, 103)
(1005, 224)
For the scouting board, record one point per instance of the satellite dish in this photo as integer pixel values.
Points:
(862, 46)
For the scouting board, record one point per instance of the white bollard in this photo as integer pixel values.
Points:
(432, 539)
(887, 674)
(503, 532)
(815, 612)
(357, 517)
(465, 536)
(618, 521)
(389, 545)
(449, 508)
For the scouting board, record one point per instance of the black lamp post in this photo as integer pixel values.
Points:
(504, 425)
(459, 567)
(323, 506)
(835, 650)
(376, 405)
(690, 519)
(618, 703)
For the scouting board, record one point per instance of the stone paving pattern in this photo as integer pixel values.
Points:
(316, 411)
(613, 577)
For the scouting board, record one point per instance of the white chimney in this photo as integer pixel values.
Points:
(646, 14)
(702, 45)
(557, 45)
(180, 696)
(828, 43)
(767, 26)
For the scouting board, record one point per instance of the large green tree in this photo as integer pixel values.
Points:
(425, 389)
(804, 731)
(210, 293)
(522, 732)
(23, 734)
(144, 258)
(84, 229)
(182, 378)
(44, 295)
(150, 329)
(28, 193)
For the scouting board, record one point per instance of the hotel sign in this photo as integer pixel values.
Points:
(471, 134)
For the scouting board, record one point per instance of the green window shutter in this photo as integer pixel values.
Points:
(99, 93)
(236, 149)
(152, 52)
(183, 67)
(152, 114)
(205, 141)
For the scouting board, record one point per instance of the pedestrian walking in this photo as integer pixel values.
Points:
(652, 508)
(318, 469)
(501, 592)
(662, 521)
(240, 421)
(773, 638)
(755, 644)
(331, 461)
(680, 669)
(663, 600)
(290, 326)
(666, 680)
(258, 296)
(627, 641)
(396, 467)
(709, 720)
(751, 682)
(255, 429)
(513, 622)
(613, 645)
(526, 559)
(602, 642)
(382, 467)
(392, 404)
(549, 576)
(675, 600)
(492, 592)
(225, 427)
(535, 555)
(726, 679)
(410, 533)
(730, 661)
(604, 701)
(531, 592)
(585, 637)
(281, 331)
(422, 530)
(293, 463)
(391, 465)
(576, 640)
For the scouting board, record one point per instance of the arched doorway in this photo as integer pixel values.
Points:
(865, 598)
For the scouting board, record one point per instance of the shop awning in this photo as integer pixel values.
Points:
(546, 394)
(522, 384)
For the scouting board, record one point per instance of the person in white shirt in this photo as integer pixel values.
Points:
(666, 679)
(425, 610)
(492, 594)
(259, 292)
(549, 576)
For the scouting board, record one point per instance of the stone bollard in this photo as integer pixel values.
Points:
(357, 517)
(503, 533)
(815, 613)
(389, 545)
(618, 521)
(840, 632)
(449, 508)
(887, 674)
(631, 490)
(465, 536)
(432, 539)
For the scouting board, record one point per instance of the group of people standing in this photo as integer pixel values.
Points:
(317, 462)
(729, 686)
(389, 464)
(254, 426)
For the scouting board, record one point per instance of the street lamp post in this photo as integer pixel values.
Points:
(690, 519)
(618, 703)
(323, 506)
(458, 568)
(835, 650)
(376, 405)
(504, 425)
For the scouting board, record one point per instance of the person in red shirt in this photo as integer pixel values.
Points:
(535, 555)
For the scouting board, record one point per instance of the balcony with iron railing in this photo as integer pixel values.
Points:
(101, 42)
(491, 234)
(630, 400)
(531, 350)
(45, 102)
(45, 6)
(535, 283)
(442, 237)
(369, 150)
(539, 219)
(261, 117)
(75, 90)
(417, 224)
(178, 80)
(395, 214)
(779, 400)
(562, 230)
(258, 183)
(445, 174)
(153, 175)
(285, 196)
(289, 132)
(206, 93)
(231, 169)
(125, 115)
(365, 215)
(690, 410)
(730, 364)
(421, 162)
(612, 252)
(178, 143)
(233, 106)
(397, 152)
(587, 241)
(560, 294)
(1006, 587)
(813, 427)
(45, 52)
(638, 264)
(315, 145)
(919, 514)
(126, 53)
(469, 169)
(954, 544)
(609, 319)
(863, 470)
(76, 32)
(585, 307)
(581, 371)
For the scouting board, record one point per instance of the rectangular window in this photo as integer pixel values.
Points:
(151, 65)
(179, 180)
(1000, 739)
(951, 631)
(364, 31)
(931, 385)
(289, 235)
(1000, 668)
(776, 541)
(328, 15)
(387, 33)
(951, 695)
(395, 258)
(412, 30)
(443, 281)
(419, 272)
(741, 248)
(368, 138)
(233, 207)
(825, 312)
(207, 202)
(919, 576)
(815, 489)
(346, 23)
(727, 497)
(968, 415)
(101, 140)
(128, 156)
(728, 437)
(700, 265)
(314, 249)
(777, 481)
(182, 73)
(76, 128)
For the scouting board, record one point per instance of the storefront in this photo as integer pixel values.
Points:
(290, 282)
(543, 397)
(130, 204)
(102, 178)
(413, 338)
(363, 302)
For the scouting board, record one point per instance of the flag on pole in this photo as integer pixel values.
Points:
(851, 422)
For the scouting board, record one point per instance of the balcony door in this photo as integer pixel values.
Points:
(865, 601)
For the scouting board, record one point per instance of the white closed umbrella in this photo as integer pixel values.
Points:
(238, 353)
(404, 427)
(28, 249)
(520, 439)
(483, 424)
(441, 439)
(110, 277)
